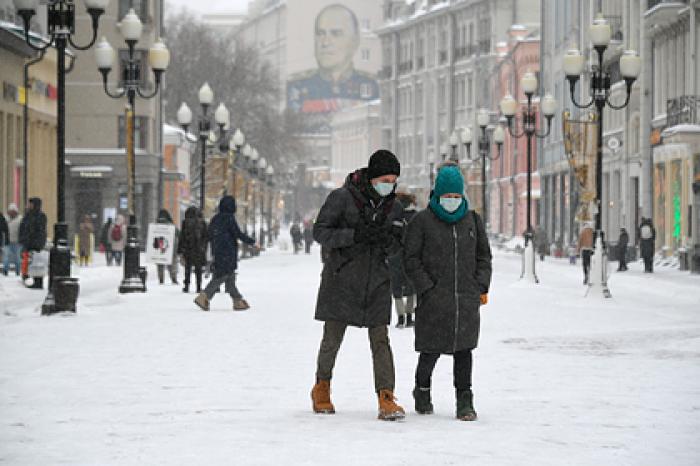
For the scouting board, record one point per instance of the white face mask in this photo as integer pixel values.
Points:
(384, 189)
(451, 204)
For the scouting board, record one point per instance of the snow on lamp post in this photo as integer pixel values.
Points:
(509, 107)
(131, 28)
(600, 85)
(61, 28)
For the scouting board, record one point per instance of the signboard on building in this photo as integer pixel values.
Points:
(160, 245)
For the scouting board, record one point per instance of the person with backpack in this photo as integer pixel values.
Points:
(647, 240)
(117, 239)
(585, 247)
(358, 227)
(224, 235)
(192, 246)
(448, 259)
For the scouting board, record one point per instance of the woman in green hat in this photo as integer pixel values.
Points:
(448, 258)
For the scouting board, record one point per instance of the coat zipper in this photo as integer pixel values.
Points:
(454, 231)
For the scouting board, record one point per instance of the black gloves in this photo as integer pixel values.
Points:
(372, 234)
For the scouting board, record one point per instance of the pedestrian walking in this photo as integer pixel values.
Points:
(401, 288)
(4, 233)
(192, 246)
(448, 259)
(541, 242)
(32, 237)
(585, 247)
(622, 243)
(165, 218)
(308, 236)
(85, 240)
(355, 227)
(647, 240)
(12, 249)
(224, 235)
(295, 233)
(117, 239)
(105, 244)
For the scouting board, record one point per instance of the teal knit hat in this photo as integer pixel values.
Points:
(449, 180)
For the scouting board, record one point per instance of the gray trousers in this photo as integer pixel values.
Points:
(215, 284)
(382, 358)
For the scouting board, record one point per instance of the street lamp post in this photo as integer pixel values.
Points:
(271, 185)
(159, 58)
(222, 117)
(497, 138)
(630, 66)
(454, 144)
(509, 107)
(61, 27)
(262, 165)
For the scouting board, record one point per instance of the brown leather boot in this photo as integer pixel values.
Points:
(321, 397)
(202, 301)
(388, 409)
(240, 304)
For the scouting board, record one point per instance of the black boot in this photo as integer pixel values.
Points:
(402, 322)
(186, 288)
(421, 396)
(465, 405)
(409, 320)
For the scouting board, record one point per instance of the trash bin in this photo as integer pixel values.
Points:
(65, 292)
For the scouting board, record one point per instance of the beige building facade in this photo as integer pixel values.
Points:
(356, 133)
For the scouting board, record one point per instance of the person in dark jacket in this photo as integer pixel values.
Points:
(647, 240)
(224, 234)
(448, 258)
(105, 243)
(308, 236)
(32, 237)
(164, 217)
(192, 245)
(622, 243)
(295, 233)
(401, 289)
(355, 227)
(4, 231)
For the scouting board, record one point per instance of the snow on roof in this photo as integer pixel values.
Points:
(683, 128)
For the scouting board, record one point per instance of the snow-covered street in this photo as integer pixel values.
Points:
(149, 379)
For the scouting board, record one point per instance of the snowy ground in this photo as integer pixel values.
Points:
(147, 379)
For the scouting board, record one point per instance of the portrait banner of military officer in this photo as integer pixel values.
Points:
(336, 83)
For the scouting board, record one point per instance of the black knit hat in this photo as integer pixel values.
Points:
(383, 162)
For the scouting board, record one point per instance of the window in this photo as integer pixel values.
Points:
(140, 57)
(365, 54)
(140, 132)
(139, 6)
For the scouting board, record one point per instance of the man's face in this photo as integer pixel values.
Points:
(336, 39)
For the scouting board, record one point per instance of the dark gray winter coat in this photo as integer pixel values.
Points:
(450, 267)
(355, 285)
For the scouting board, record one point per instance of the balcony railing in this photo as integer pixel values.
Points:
(616, 27)
(683, 110)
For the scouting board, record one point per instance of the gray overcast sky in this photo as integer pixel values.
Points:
(209, 6)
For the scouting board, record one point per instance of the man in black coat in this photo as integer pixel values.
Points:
(224, 234)
(647, 235)
(622, 243)
(32, 236)
(192, 245)
(359, 226)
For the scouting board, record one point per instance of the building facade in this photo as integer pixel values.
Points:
(437, 60)
(355, 133)
(27, 171)
(96, 129)
(673, 35)
(177, 157)
(508, 183)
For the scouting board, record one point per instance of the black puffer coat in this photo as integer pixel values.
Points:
(450, 267)
(224, 235)
(355, 281)
(32, 230)
(193, 238)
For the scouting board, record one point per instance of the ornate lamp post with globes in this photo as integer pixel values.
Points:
(600, 84)
(61, 27)
(485, 141)
(509, 107)
(158, 58)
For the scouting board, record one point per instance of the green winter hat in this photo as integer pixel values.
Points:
(449, 180)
